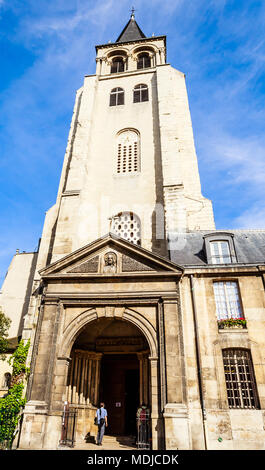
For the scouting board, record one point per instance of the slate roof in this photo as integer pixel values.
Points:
(187, 249)
(131, 32)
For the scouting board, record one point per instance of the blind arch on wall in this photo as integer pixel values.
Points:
(128, 152)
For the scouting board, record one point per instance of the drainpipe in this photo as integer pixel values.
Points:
(198, 359)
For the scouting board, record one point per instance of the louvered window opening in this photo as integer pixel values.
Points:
(128, 226)
(116, 97)
(117, 66)
(140, 93)
(144, 61)
(128, 153)
(240, 380)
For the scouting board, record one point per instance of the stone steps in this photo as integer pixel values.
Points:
(109, 443)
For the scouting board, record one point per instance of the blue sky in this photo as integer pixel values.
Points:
(46, 49)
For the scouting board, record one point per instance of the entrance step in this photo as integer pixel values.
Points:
(109, 443)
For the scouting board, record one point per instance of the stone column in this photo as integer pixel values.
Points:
(144, 378)
(85, 382)
(140, 358)
(83, 387)
(163, 55)
(153, 60)
(156, 427)
(97, 377)
(99, 66)
(130, 63)
(175, 410)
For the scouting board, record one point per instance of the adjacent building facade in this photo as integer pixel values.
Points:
(134, 297)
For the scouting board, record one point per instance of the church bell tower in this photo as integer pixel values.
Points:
(130, 166)
(103, 317)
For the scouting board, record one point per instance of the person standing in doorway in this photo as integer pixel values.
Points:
(102, 422)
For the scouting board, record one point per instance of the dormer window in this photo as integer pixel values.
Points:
(219, 248)
(117, 65)
(143, 61)
(220, 252)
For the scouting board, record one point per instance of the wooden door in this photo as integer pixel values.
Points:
(114, 390)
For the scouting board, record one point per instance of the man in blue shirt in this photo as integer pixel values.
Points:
(102, 422)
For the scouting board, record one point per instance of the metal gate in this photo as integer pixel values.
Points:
(143, 423)
(68, 427)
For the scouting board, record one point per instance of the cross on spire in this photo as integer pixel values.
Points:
(132, 12)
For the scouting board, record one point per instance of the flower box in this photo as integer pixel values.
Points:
(227, 323)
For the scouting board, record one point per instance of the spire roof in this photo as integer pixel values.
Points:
(131, 32)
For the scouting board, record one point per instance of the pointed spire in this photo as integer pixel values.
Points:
(132, 31)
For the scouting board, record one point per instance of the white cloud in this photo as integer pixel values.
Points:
(243, 158)
(252, 218)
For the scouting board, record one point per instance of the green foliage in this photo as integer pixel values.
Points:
(18, 360)
(12, 404)
(5, 323)
(232, 322)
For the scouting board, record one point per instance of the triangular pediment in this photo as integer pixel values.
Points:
(110, 255)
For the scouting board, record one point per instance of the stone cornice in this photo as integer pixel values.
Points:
(231, 270)
(111, 276)
(118, 44)
(134, 298)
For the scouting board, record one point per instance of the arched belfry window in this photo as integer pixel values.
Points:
(117, 65)
(140, 93)
(143, 60)
(116, 97)
(128, 152)
(127, 225)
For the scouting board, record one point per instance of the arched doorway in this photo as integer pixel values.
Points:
(109, 362)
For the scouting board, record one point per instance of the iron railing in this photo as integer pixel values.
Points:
(68, 427)
(143, 432)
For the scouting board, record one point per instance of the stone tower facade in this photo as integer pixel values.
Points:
(132, 154)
